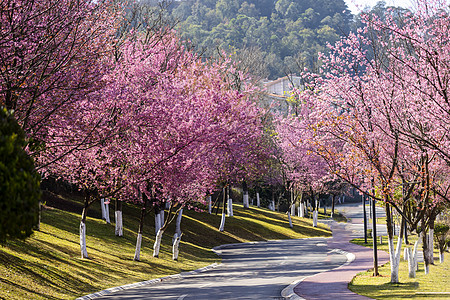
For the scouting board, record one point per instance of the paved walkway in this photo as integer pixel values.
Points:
(333, 284)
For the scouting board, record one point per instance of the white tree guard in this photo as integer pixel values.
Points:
(157, 244)
(119, 223)
(258, 202)
(83, 249)
(137, 252)
(222, 223)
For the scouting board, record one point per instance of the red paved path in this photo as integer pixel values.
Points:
(333, 284)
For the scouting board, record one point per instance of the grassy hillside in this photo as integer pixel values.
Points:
(47, 265)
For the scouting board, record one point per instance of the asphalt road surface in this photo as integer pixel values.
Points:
(248, 271)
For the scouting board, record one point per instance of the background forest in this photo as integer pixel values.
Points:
(286, 34)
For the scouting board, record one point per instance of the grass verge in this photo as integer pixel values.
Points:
(435, 285)
(48, 265)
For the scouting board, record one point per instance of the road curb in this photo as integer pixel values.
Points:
(147, 282)
(288, 292)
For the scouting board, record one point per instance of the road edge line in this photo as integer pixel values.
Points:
(288, 292)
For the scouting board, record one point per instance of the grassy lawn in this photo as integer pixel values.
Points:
(421, 287)
(48, 265)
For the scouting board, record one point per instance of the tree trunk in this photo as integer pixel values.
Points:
(394, 253)
(292, 203)
(333, 198)
(431, 242)
(175, 247)
(230, 207)
(157, 244)
(315, 218)
(102, 206)
(411, 265)
(157, 219)
(119, 221)
(83, 247)
(290, 220)
(178, 223)
(258, 202)
(209, 204)
(245, 194)
(222, 221)
(426, 251)
(107, 219)
(161, 217)
(137, 253)
(39, 217)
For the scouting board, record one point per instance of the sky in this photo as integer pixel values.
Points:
(352, 4)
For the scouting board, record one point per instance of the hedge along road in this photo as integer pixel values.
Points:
(248, 271)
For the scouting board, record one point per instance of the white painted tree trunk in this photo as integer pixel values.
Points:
(157, 221)
(230, 207)
(157, 244)
(108, 221)
(119, 223)
(416, 250)
(222, 223)
(178, 223)
(102, 206)
(137, 252)
(273, 205)
(209, 204)
(315, 218)
(245, 200)
(394, 257)
(290, 220)
(301, 210)
(258, 202)
(293, 209)
(83, 249)
(431, 244)
(411, 262)
(427, 269)
(175, 247)
(441, 257)
(161, 216)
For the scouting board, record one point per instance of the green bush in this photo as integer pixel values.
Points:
(440, 235)
(19, 182)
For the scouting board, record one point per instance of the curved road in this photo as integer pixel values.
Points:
(248, 271)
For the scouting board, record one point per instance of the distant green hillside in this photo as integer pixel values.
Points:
(285, 34)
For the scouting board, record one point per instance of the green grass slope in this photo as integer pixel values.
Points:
(48, 265)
